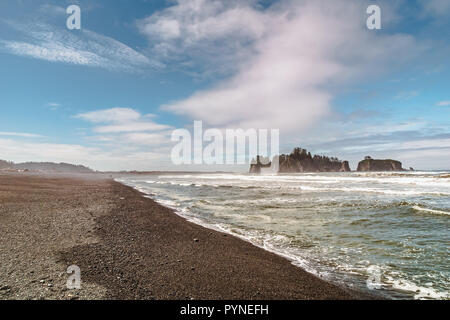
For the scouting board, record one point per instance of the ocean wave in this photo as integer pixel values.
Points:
(373, 190)
(354, 176)
(381, 277)
(409, 187)
(432, 211)
(325, 189)
(420, 292)
(214, 208)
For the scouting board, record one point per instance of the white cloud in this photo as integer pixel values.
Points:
(128, 130)
(283, 59)
(443, 103)
(118, 120)
(182, 35)
(117, 115)
(87, 48)
(130, 141)
(131, 127)
(194, 21)
(54, 52)
(20, 134)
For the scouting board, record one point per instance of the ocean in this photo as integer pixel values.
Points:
(386, 232)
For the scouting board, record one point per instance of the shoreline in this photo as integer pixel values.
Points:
(219, 229)
(130, 247)
(291, 259)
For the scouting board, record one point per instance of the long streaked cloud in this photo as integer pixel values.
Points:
(21, 134)
(284, 59)
(118, 120)
(407, 141)
(84, 47)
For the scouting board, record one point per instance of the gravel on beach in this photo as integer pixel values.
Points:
(129, 247)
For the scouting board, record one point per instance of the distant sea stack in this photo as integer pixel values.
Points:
(369, 164)
(300, 160)
(260, 163)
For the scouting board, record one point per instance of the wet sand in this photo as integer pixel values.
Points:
(129, 247)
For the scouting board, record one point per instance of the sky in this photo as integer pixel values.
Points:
(109, 95)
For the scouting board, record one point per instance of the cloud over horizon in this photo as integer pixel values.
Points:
(126, 125)
(290, 56)
(118, 120)
(94, 157)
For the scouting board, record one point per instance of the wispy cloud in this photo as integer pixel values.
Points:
(117, 115)
(407, 141)
(117, 120)
(126, 126)
(53, 105)
(50, 9)
(443, 103)
(84, 47)
(406, 95)
(21, 134)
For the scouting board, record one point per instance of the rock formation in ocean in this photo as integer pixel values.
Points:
(369, 164)
(261, 162)
(300, 160)
(345, 167)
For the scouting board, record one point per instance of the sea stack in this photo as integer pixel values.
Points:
(369, 164)
(345, 167)
(300, 160)
(260, 162)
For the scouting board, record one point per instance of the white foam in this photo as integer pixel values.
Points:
(440, 212)
(420, 293)
(279, 244)
(406, 185)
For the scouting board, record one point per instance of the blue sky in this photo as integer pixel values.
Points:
(109, 95)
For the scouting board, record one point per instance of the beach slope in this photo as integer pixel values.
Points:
(129, 247)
